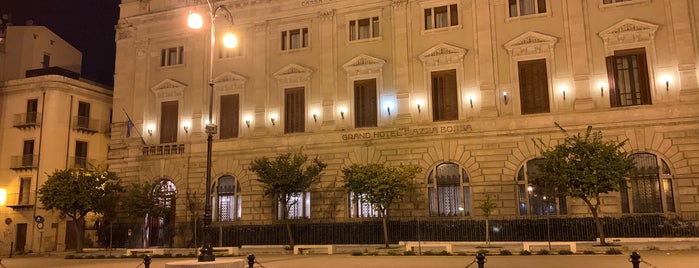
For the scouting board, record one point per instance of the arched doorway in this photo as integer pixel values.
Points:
(160, 223)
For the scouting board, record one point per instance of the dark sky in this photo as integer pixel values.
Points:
(88, 25)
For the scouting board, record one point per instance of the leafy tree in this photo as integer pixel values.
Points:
(379, 185)
(488, 206)
(284, 177)
(77, 192)
(584, 166)
(145, 199)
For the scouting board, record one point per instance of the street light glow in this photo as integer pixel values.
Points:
(230, 40)
(194, 20)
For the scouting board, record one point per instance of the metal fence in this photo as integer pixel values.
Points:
(502, 229)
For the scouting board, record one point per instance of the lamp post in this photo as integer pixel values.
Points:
(195, 21)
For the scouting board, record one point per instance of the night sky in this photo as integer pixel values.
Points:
(88, 25)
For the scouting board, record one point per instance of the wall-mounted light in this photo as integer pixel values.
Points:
(3, 197)
(315, 115)
(470, 99)
(419, 105)
(601, 85)
(273, 119)
(343, 110)
(504, 97)
(666, 79)
(388, 105)
(150, 128)
(186, 126)
(563, 90)
(247, 122)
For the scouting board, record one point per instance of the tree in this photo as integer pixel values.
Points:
(379, 185)
(284, 177)
(584, 167)
(145, 199)
(77, 192)
(487, 207)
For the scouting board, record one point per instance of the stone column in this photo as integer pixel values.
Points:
(684, 49)
(401, 64)
(485, 59)
(578, 55)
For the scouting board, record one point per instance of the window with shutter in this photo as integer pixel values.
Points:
(365, 103)
(168, 121)
(627, 72)
(533, 86)
(445, 100)
(294, 110)
(230, 114)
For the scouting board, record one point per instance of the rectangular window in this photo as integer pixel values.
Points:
(168, 121)
(366, 28)
(25, 189)
(295, 39)
(28, 154)
(365, 103)
(627, 72)
(294, 110)
(230, 114)
(445, 101)
(47, 60)
(441, 16)
(360, 208)
(533, 86)
(614, 1)
(83, 115)
(32, 109)
(526, 7)
(299, 206)
(80, 154)
(172, 56)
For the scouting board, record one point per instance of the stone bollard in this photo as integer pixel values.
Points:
(251, 260)
(480, 259)
(635, 260)
(146, 261)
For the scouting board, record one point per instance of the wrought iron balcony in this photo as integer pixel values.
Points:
(163, 149)
(18, 201)
(86, 124)
(26, 120)
(27, 161)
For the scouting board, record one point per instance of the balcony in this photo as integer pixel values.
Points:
(26, 120)
(163, 149)
(27, 161)
(20, 201)
(86, 124)
(82, 162)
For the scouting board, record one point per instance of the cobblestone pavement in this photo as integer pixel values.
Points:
(653, 259)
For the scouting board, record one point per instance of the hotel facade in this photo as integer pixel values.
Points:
(460, 88)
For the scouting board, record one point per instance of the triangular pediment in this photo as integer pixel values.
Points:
(443, 54)
(364, 64)
(228, 81)
(531, 39)
(293, 73)
(628, 31)
(168, 88)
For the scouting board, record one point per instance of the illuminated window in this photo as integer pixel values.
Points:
(299, 206)
(651, 187)
(360, 208)
(449, 191)
(229, 199)
(531, 203)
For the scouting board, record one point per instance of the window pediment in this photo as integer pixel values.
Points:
(443, 54)
(229, 81)
(530, 43)
(168, 88)
(293, 73)
(628, 31)
(363, 64)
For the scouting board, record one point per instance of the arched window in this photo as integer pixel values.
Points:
(159, 226)
(449, 191)
(651, 186)
(299, 206)
(228, 199)
(531, 203)
(360, 208)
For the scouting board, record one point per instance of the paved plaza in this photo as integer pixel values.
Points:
(654, 259)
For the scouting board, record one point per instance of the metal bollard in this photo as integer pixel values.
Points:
(146, 261)
(480, 259)
(251, 260)
(635, 260)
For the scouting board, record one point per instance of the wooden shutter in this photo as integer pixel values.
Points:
(611, 78)
(445, 100)
(168, 121)
(294, 110)
(365, 103)
(533, 86)
(230, 114)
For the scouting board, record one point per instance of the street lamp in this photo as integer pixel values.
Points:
(195, 21)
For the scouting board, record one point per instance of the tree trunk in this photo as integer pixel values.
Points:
(385, 230)
(487, 231)
(285, 216)
(598, 221)
(79, 233)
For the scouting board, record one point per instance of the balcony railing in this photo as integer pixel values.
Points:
(163, 149)
(82, 162)
(26, 120)
(15, 200)
(84, 123)
(26, 161)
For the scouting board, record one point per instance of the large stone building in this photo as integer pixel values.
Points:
(459, 88)
(49, 119)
